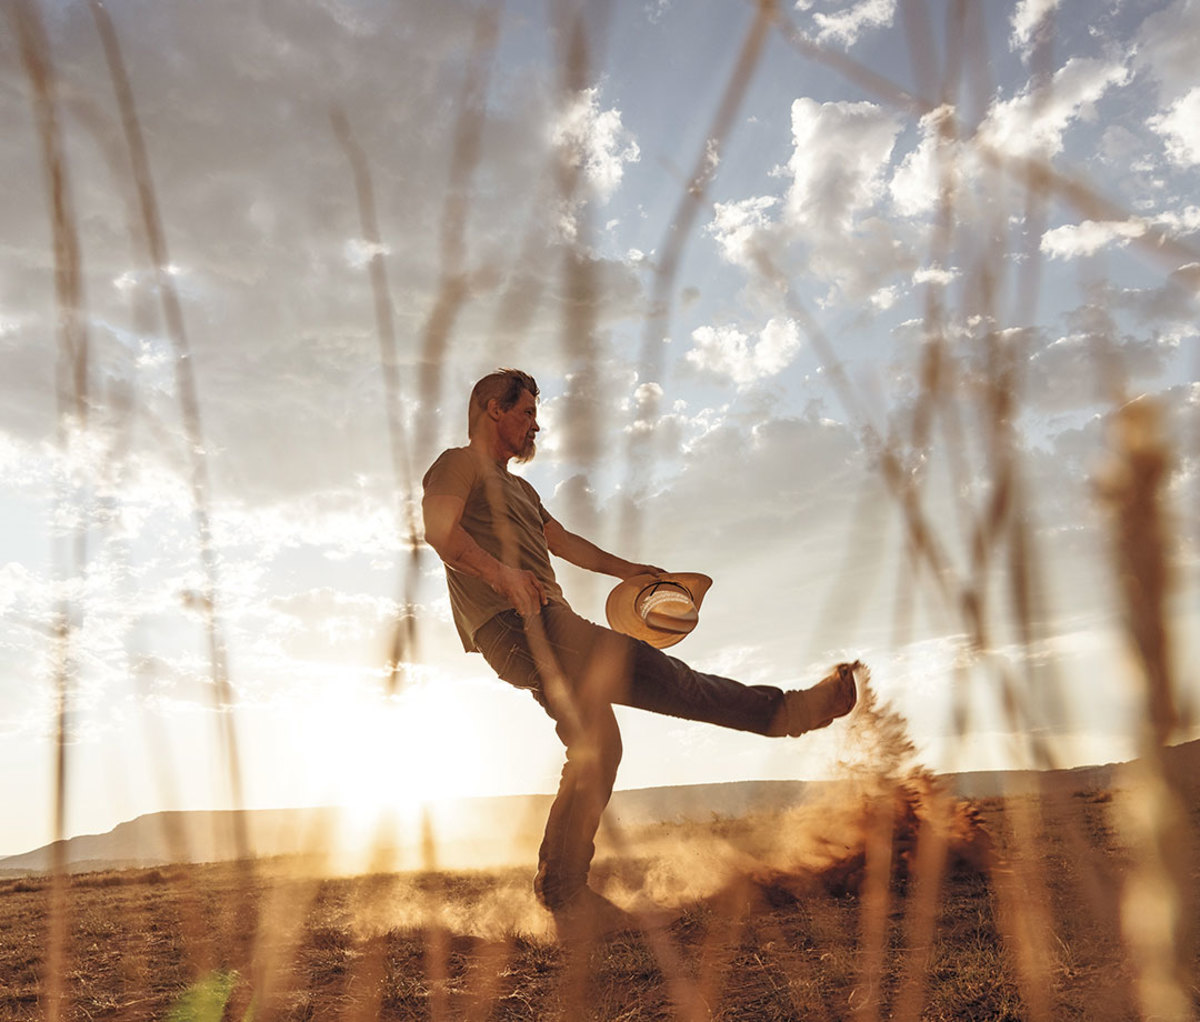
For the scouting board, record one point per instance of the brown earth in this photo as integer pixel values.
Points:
(991, 910)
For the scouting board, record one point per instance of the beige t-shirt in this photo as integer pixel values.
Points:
(504, 515)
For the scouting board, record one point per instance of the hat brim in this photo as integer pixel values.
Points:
(621, 611)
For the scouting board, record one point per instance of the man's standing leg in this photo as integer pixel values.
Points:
(571, 666)
(593, 748)
(580, 668)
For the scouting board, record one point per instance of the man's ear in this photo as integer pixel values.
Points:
(494, 410)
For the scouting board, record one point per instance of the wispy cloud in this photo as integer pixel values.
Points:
(595, 141)
(1035, 121)
(835, 180)
(1083, 239)
(847, 25)
(727, 352)
(741, 226)
(935, 275)
(1028, 18)
(925, 169)
(1180, 128)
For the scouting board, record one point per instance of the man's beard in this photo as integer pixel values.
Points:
(527, 452)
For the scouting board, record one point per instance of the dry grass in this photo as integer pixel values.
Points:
(775, 945)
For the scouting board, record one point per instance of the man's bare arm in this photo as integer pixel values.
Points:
(454, 545)
(585, 554)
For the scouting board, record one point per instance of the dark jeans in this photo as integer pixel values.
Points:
(577, 671)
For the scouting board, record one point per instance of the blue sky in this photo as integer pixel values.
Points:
(736, 430)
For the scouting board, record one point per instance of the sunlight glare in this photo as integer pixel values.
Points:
(391, 763)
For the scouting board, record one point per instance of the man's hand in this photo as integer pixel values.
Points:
(521, 588)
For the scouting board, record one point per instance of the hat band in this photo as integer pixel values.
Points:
(649, 603)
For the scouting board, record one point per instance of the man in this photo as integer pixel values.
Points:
(496, 537)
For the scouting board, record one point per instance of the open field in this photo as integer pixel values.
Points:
(750, 940)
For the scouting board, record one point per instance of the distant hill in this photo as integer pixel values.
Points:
(482, 831)
(489, 832)
(1182, 761)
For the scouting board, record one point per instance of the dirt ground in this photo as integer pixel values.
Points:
(1028, 928)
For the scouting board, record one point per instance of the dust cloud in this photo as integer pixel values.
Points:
(881, 794)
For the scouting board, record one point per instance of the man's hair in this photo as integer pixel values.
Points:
(505, 386)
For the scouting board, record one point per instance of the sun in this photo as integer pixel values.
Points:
(387, 763)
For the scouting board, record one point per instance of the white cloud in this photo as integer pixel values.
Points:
(777, 346)
(596, 141)
(339, 525)
(837, 174)
(1034, 122)
(885, 298)
(838, 168)
(726, 351)
(1180, 127)
(935, 275)
(1088, 237)
(645, 392)
(739, 226)
(840, 152)
(846, 26)
(918, 180)
(1185, 221)
(1028, 18)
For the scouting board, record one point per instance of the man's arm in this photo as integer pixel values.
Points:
(454, 545)
(585, 554)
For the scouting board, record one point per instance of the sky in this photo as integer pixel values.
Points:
(733, 252)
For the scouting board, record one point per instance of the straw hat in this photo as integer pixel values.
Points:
(661, 609)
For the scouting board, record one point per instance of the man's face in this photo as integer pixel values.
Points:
(518, 426)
